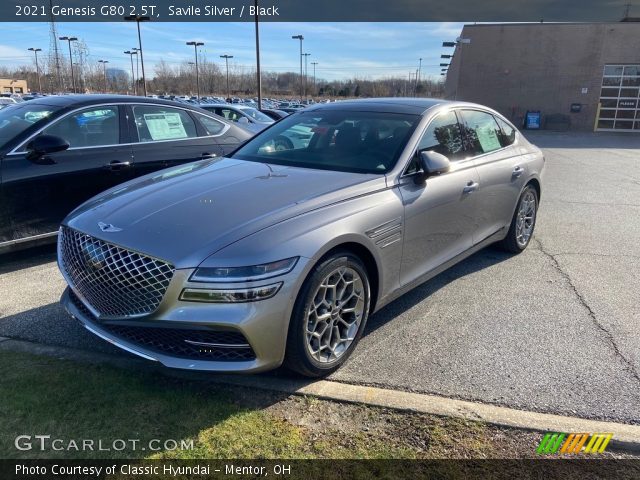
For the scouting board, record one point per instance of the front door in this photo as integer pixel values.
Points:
(440, 215)
(38, 197)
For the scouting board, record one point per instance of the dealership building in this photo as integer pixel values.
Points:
(577, 76)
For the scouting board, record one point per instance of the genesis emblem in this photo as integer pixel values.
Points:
(107, 227)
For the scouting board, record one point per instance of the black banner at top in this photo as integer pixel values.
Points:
(320, 10)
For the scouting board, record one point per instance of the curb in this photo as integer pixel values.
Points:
(626, 437)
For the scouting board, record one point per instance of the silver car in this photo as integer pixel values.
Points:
(279, 255)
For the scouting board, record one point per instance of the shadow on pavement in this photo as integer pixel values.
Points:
(30, 257)
(544, 139)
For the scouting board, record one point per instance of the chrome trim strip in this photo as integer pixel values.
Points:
(390, 240)
(384, 228)
(117, 344)
(27, 239)
(38, 132)
(218, 345)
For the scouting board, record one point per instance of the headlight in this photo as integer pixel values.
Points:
(244, 274)
(243, 295)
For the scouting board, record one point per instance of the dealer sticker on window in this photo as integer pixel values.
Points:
(165, 126)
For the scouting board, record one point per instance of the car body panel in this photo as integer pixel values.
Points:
(228, 212)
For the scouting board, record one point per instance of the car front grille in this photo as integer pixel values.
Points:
(212, 345)
(115, 282)
(189, 344)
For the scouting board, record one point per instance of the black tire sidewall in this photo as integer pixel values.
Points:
(512, 230)
(297, 336)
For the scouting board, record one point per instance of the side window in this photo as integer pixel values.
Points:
(157, 122)
(443, 136)
(508, 133)
(211, 125)
(93, 127)
(481, 131)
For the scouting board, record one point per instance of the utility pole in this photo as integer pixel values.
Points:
(73, 79)
(227, 57)
(301, 38)
(419, 75)
(104, 70)
(35, 51)
(136, 49)
(314, 78)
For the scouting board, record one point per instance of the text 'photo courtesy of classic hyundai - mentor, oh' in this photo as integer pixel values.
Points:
(279, 252)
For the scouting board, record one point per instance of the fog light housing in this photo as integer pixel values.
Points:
(239, 295)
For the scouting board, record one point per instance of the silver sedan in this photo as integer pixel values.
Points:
(280, 252)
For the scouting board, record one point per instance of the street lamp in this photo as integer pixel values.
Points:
(195, 49)
(301, 38)
(138, 19)
(446, 56)
(444, 64)
(73, 80)
(306, 56)
(258, 71)
(227, 57)
(458, 44)
(35, 52)
(314, 77)
(134, 86)
(135, 49)
(104, 70)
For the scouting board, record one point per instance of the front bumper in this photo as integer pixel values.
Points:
(264, 325)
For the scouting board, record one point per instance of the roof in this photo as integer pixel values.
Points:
(90, 99)
(415, 106)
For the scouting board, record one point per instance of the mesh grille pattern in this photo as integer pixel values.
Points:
(172, 341)
(116, 282)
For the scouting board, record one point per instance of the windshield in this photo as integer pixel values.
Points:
(361, 142)
(257, 115)
(17, 118)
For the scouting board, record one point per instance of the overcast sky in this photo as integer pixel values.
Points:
(342, 50)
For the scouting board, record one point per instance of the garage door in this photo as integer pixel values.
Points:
(619, 98)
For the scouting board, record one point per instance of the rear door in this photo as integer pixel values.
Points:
(37, 197)
(165, 136)
(500, 169)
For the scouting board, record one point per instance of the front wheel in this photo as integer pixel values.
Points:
(523, 222)
(329, 316)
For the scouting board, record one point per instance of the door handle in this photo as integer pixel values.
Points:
(517, 171)
(470, 187)
(206, 155)
(116, 165)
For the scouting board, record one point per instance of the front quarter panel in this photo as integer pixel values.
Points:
(373, 221)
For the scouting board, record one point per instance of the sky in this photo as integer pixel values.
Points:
(342, 50)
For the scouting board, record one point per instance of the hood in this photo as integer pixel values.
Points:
(185, 214)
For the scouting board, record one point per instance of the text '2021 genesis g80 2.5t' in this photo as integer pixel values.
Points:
(279, 252)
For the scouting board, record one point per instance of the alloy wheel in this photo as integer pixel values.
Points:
(334, 316)
(526, 218)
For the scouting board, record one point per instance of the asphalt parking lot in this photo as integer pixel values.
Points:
(554, 329)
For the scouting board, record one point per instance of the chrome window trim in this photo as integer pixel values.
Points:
(111, 104)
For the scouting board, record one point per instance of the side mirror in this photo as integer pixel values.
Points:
(432, 163)
(42, 145)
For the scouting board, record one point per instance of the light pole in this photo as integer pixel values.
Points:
(306, 56)
(134, 86)
(104, 70)
(73, 79)
(419, 76)
(35, 52)
(227, 57)
(314, 78)
(301, 38)
(135, 49)
(138, 19)
(195, 49)
(458, 45)
(258, 73)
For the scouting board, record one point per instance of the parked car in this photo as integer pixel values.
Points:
(280, 255)
(274, 113)
(249, 117)
(57, 152)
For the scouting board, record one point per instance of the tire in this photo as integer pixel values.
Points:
(520, 234)
(316, 307)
